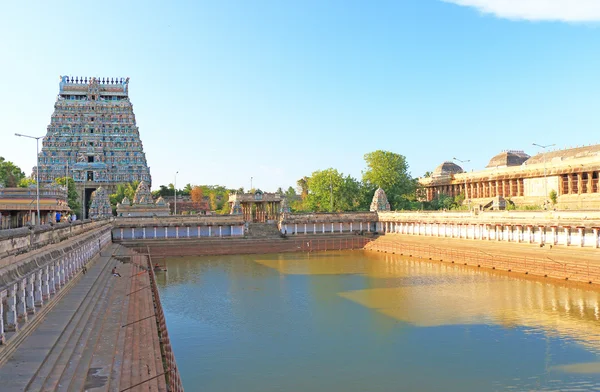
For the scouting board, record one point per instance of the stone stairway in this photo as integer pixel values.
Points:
(263, 230)
(79, 345)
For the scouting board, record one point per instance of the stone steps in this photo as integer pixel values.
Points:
(57, 359)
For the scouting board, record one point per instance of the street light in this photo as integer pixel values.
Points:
(37, 171)
(545, 178)
(175, 187)
(466, 190)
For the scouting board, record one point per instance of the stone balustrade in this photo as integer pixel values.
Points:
(177, 227)
(548, 227)
(328, 223)
(35, 278)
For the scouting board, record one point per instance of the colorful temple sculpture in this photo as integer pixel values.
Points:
(18, 206)
(256, 207)
(93, 137)
(380, 201)
(562, 179)
(143, 204)
(100, 204)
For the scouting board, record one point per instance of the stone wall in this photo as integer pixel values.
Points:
(176, 227)
(328, 223)
(14, 242)
(577, 228)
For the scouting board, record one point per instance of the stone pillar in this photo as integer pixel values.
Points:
(567, 236)
(518, 187)
(368, 226)
(63, 277)
(57, 274)
(341, 227)
(155, 231)
(220, 231)
(2, 336)
(579, 183)
(45, 283)
(529, 238)
(177, 231)
(570, 183)
(554, 236)
(590, 184)
(305, 228)
(11, 308)
(596, 243)
(323, 229)
(144, 232)
(209, 230)
(121, 233)
(314, 228)
(360, 226)
(581, 236)
(542, 230)
(30, 294)
(37, 292)
(21, 300)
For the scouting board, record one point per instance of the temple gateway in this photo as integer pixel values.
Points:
(93, 137)
(515, 177)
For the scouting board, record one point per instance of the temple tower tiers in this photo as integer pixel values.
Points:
(93, 137)
(380, 201)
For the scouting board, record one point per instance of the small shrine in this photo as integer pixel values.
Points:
(380, 201)
(143, 204)
(100, 204)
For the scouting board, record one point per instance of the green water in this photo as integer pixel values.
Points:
(365, 321)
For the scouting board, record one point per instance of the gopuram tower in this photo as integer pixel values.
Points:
(92, 137)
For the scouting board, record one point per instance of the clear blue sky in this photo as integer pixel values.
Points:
(226, 90)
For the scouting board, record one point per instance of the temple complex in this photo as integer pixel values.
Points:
(143, 204)
(93, 137)
(572, 174)
(18, 206)
(100, 204)
(256, 207)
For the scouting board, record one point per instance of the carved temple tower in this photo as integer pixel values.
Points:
(93, 137)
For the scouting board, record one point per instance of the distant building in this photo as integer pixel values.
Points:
(18, 206)
(93, 137)
(523, 180)
(143, 205)
(256, 207)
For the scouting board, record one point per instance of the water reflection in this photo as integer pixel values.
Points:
(375, 320)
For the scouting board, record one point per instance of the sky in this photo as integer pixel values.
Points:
(225, 91)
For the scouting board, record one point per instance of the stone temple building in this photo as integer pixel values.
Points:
(93, 137)
(515, 177)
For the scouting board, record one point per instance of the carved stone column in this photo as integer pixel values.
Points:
(21, 305)
(37, 290)
(11, 308)
(2, 337)
(45, 283)
(30, 294)
(57, 274)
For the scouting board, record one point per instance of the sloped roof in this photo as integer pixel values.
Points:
(508, 158)
(566, 154)
(446, 168)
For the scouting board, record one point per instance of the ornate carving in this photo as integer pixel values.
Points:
(100, 204)
(380, 201)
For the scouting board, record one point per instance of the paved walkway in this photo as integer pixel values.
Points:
(81, 344)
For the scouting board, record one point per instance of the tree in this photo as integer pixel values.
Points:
(10, 174)
(427, 174)
(213, 201)
(197, 194)
(303, 187)
(329, 191)
(123, 190)
(389, 171)
(26, 182)
(72, 195)
(553, 197)
(187, 189)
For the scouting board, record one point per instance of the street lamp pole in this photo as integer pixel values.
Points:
(37, 171)
(545, 178)
(175, 187)
(466, 190)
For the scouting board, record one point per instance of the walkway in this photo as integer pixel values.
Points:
(92, 339)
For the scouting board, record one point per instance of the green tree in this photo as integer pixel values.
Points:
(553, 197)
(123, 190)
(389, 171)
(329, 191)
(10, 174)
(26, 182)
(72, 195)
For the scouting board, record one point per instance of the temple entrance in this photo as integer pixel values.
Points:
(87, 198)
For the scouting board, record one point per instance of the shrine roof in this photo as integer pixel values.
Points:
(566, 154)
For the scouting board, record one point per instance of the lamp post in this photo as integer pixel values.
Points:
(466, 190)
(37, 171)
(175, 188)
(545, 178)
